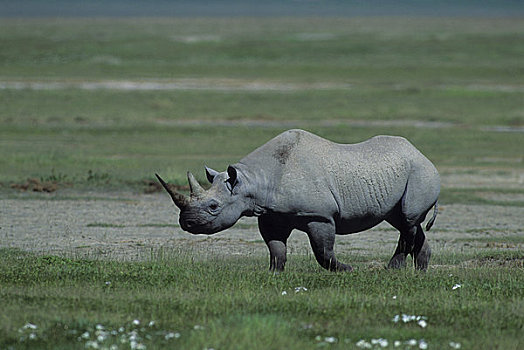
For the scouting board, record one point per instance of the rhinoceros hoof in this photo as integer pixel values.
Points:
(422, 260)
(345, 268)
(397, 262)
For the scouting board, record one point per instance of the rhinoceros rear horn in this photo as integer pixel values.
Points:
(179, 199)
(196, 190)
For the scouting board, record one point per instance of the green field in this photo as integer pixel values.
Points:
(459, 79)
(96, 106)
(234, 303)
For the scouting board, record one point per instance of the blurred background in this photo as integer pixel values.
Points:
(100, 95)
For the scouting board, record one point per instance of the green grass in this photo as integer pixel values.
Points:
(474, 196)
(107, 108)
(121, 157)
(460, 78)
(238, 304)
(462, 75)
(364, 50)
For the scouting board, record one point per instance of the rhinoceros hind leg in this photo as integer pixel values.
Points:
(275, 232)
(404, 247)
(398, 261)
(322, 239)
(412, 241)
(421, 251)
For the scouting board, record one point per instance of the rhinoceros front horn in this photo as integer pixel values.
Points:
(179, 199)
(196, 190)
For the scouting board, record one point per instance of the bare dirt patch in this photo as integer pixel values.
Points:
(37, 185)
(131, 227)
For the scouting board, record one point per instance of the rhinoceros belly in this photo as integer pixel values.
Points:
(367, 194)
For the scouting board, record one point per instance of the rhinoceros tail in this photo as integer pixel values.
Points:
(432, 220)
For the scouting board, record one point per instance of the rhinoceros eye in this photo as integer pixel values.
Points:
(213, 206)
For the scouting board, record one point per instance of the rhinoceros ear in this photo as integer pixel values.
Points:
(232, 177)
(210, 173)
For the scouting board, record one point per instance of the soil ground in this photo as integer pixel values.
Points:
(132, 226)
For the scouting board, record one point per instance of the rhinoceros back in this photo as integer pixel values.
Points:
(353, 183)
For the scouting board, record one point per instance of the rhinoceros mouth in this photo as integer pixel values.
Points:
(196, 227)
(193, 226)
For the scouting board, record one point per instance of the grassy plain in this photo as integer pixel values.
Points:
(449, 85)
(234, 303)
(340, 78)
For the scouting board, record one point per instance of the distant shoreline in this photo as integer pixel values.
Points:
(252, 8)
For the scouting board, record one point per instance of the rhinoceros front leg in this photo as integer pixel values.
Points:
(275, 231)
(322, 239)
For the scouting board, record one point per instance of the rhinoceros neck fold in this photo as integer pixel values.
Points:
(258, 187)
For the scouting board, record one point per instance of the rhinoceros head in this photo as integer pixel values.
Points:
(214, 210)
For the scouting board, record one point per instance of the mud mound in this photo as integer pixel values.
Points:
(36, 185)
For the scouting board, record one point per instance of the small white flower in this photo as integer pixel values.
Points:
(172, 335)
(133, 336)
(394, 297)
(99, 327)
(330, 340)
(454, 345)
(456, 286)
(136, 322)
(91, 345)
(113, 347)
(411, 318)
(300, 289)
(151, 323)
(411, 342)
(85, 335)
(397, 343)
(422, 344)
(284, 293)
(381, 342)
(32, 336)
(363, 344)
(198, 327)
(29, 326)
(121, 330)
(137, 346)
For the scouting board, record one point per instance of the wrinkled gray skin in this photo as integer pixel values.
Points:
(301, 181)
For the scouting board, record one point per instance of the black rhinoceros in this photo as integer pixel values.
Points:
(301, 181)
